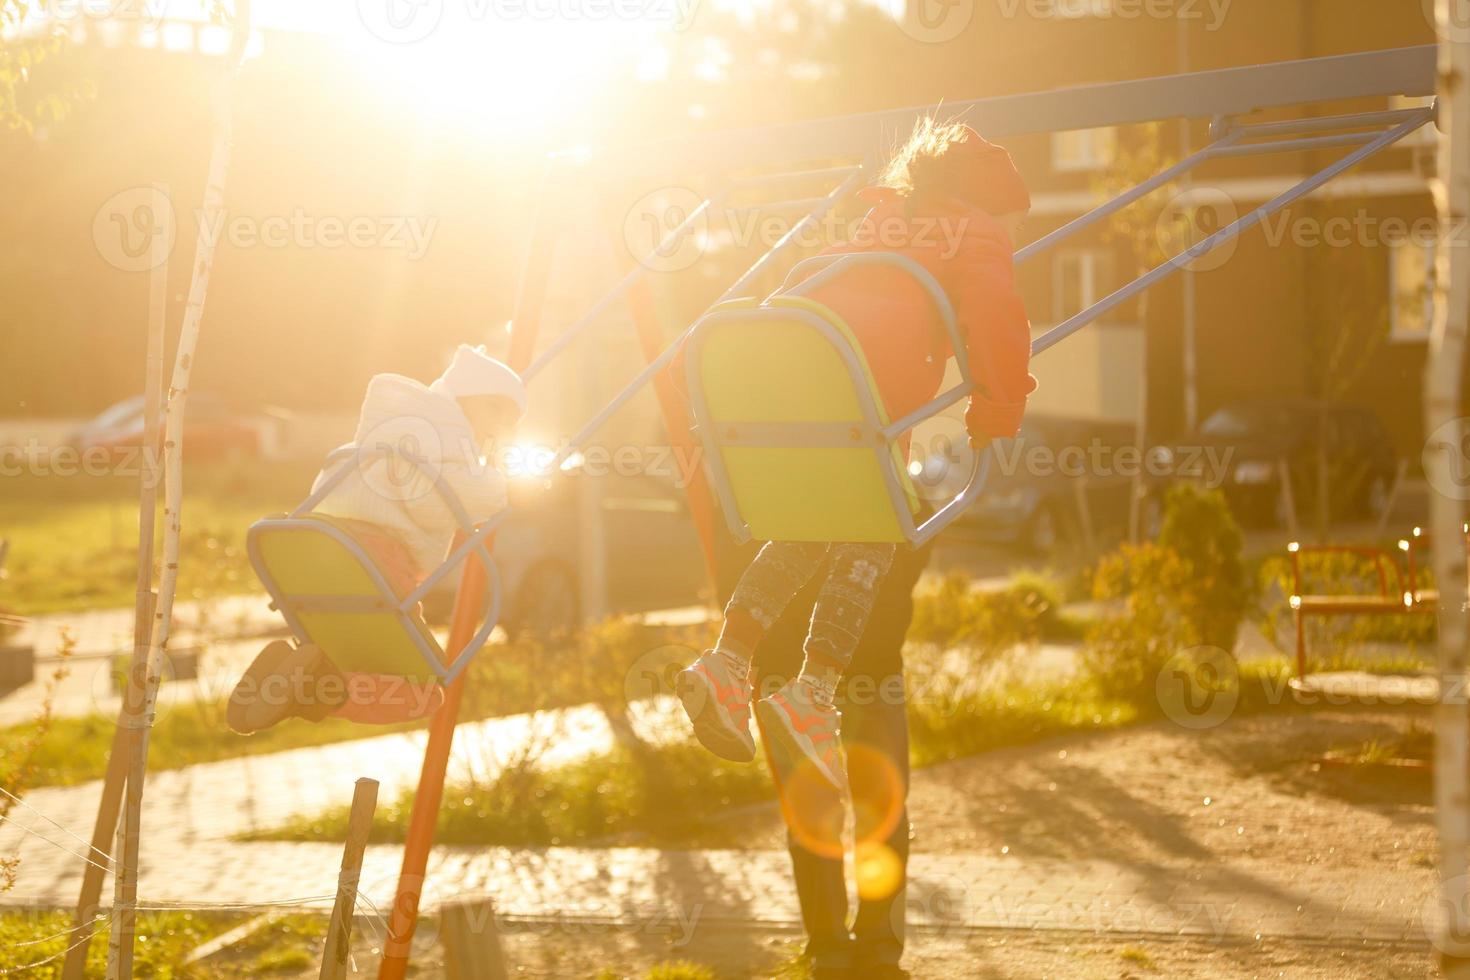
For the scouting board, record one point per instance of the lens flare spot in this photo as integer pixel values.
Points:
(879, 871)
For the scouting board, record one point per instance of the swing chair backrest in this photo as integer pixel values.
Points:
(332, 594)
(799, 444)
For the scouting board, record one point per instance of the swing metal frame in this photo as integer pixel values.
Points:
(1220, 96)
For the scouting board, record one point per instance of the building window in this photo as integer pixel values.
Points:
(1083, 149)
(1411, 282)
(1080, 279)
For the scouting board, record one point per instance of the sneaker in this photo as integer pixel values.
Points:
(715, 691)
(265, 695)
(800, 716)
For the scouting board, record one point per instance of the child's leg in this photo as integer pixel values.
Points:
(842, 609)
(715, 690)
(768, 584)
(385, 699)
(800, 715)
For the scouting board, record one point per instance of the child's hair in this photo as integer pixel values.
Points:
(918, 168)
(950, 160)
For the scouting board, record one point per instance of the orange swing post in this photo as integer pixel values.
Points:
(469, 606)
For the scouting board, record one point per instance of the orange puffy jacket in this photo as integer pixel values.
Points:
(970, 254)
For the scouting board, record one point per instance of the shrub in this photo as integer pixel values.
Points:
(954, 613)
(1188, 589)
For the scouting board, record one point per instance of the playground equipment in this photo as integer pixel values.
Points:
(750, 160)
(332, 594)
(754, 159)
(798, 442)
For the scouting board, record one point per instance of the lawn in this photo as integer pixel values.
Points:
(33, 943)
(73, 539)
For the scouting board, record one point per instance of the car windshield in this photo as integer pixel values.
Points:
(122, 412)
(1247, 420)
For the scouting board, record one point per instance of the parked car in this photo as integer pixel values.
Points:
(1242, 446)
(1039, 482)
(211, 429)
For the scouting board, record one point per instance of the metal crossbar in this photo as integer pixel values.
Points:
(1403, 123)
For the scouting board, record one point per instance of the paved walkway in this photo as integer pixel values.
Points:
(677, 890)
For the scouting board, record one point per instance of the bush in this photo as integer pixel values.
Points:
(1188, 589)
(954, 613)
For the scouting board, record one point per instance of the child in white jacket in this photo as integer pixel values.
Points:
(391, 508)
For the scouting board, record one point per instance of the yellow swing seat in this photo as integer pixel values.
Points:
(798, 444)
(331, 594)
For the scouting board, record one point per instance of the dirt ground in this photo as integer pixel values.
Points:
(1253, 790)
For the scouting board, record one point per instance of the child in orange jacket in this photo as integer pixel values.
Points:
(953, 202)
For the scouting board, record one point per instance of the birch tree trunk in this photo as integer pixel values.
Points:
(123, 928)
(1442, 414)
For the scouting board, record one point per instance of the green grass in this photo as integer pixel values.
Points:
(1137, 956)
(73, 539)
(76, 749)
(674, 792)
(288, 945)
(596, 798)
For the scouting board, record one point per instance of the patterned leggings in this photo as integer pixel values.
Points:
(841, 612)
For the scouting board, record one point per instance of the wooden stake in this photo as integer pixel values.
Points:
(112, 785)
(125, 857)
(339, 933)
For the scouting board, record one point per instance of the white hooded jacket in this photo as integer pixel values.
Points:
(400, 413)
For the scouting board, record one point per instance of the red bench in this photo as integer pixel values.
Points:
(1398, 594)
